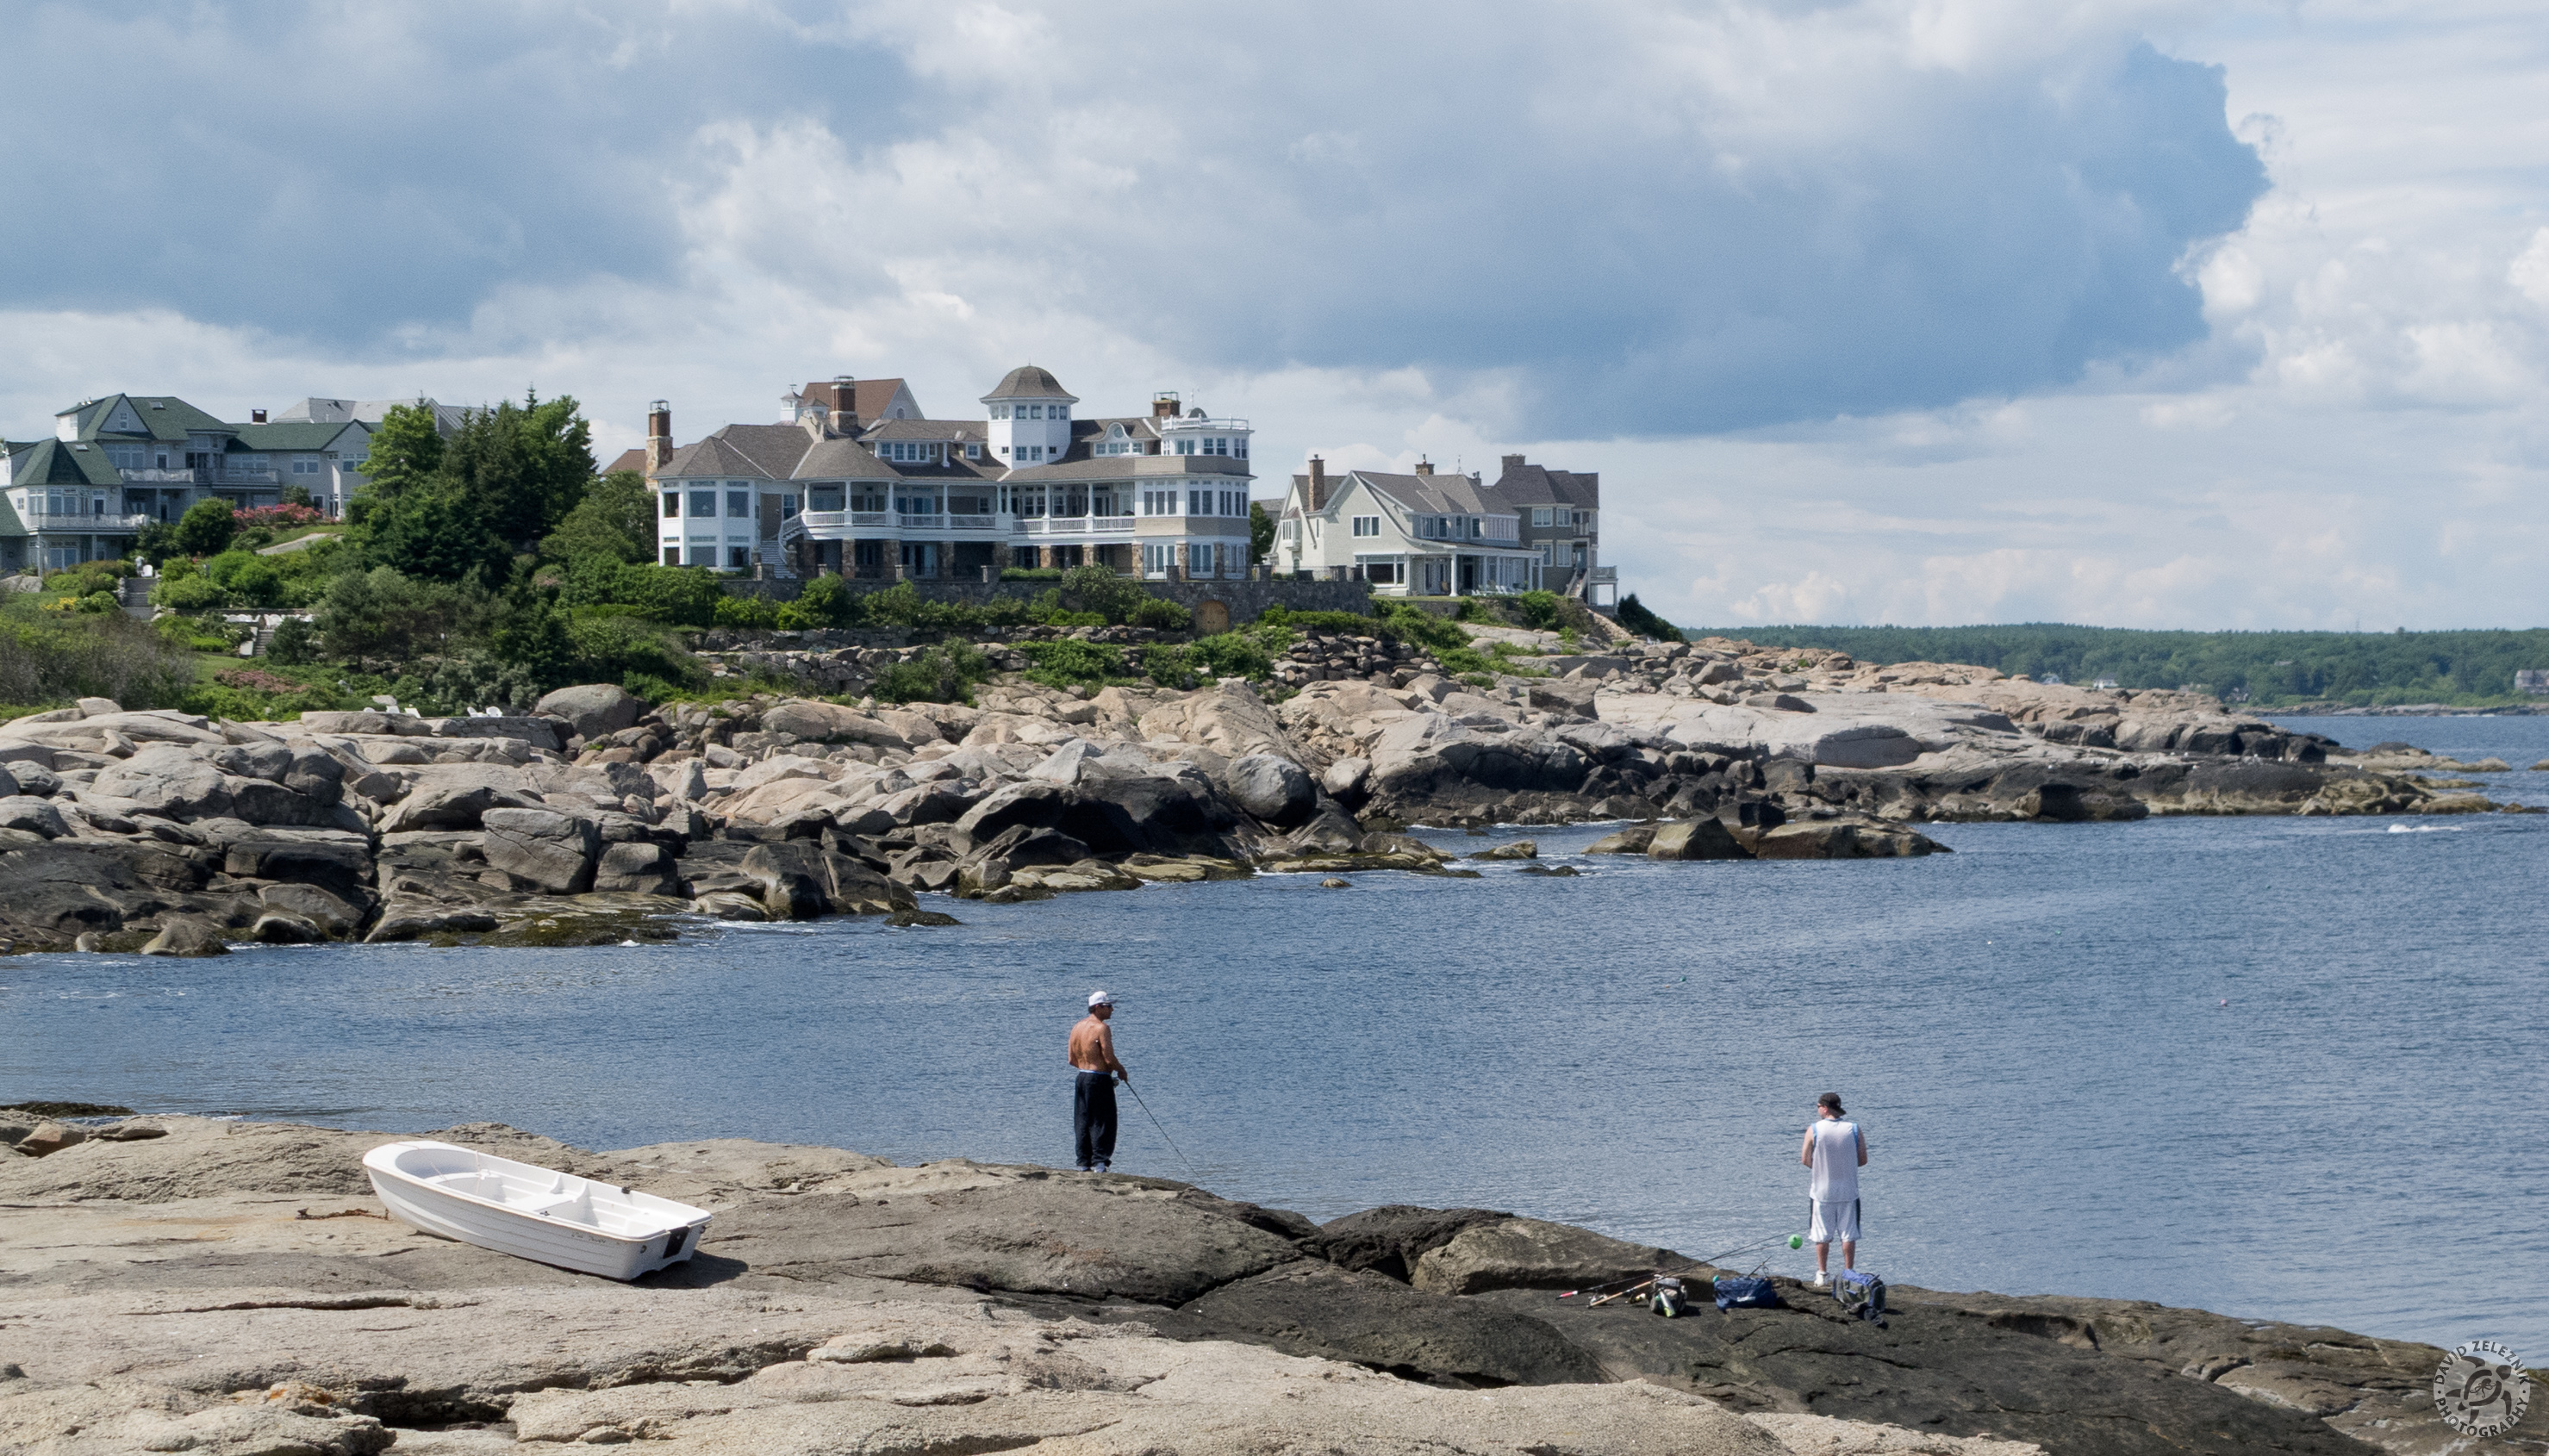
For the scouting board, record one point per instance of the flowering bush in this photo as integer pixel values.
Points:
(279, 517)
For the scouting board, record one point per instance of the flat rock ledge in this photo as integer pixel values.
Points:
(601, 821)
(178, 1284)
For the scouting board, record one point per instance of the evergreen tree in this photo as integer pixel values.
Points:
(616, 519)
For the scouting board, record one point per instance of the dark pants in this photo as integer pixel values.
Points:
(1093, 1117)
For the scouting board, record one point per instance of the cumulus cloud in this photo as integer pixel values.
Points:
(1951, 311)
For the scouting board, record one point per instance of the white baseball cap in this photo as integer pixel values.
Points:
(1100, 998)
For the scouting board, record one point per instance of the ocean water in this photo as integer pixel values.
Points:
(2276, 1067)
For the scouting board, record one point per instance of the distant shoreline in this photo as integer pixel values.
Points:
(2404, 710)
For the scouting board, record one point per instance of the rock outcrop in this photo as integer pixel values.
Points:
(598, 818)
(193, 1285)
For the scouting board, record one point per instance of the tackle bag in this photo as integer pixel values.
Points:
(1744, 1294)
(1860, 1293)
(1668, 1298)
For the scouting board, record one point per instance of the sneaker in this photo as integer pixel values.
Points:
(1101, 1167)
(1822, 1280)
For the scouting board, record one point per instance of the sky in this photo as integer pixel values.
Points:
(2140, 314)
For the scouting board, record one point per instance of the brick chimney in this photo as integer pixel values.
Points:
(256, 417)
(659, 435)
(1164, 405)
(1318, 483)
(1424, 467)
(1512, 464)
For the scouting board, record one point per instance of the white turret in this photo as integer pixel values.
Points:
(1030, 417)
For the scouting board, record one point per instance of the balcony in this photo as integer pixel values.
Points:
(1076, 525)
(68, 521)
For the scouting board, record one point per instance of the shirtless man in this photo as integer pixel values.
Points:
(1095, 1072)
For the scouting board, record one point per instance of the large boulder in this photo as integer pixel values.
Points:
(1527, 1253)
(1274, 790)
(1318, 1310)
(1695, 838)
(595, 708)
(181, 783)
(33, 815)
(553, 851)
(638, 868)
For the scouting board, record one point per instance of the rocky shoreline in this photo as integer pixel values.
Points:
(601, 818)
(178, 1284)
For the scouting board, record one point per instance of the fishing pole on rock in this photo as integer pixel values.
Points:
(1164, 1134)
(1636, 1282)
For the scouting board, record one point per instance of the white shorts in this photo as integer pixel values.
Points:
(1834, 1221)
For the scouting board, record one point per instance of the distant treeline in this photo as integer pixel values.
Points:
(2272, 667)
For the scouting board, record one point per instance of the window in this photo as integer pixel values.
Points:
(1366, 526)
(1023, 557)
(739, 503)
(1156, 560)
(703, 504)
(1062, 411)
(866, 495)
(823, 497)
(672, 555)
(1035, 411)
(703, 556)
(1477, 527)
(125, 457)
(787, 508)
(1004, 449)
(1199, 560)
(738, 558)
(1194, 503)
(305, 465)
(972, 450)
(1186, 447)
(1540, 515)
(999, 412)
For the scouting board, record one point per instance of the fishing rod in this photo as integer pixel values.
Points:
(1621, 1288)
(1164, 1134)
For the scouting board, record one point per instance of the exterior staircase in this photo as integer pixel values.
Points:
(134, 593)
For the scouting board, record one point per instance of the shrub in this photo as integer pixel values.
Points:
(1162, 614)
(1030, 573)
(945, 672)
(207, 527)
(295, 642)
(1538, 610)
(745, 611)
(45, 658)
(1071, 662)
(193, 592)
(1635, 616)
(387, 614)
(290, 515)
(1099, 590)
(827, 601)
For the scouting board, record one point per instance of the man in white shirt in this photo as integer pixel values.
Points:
(1835, 1150)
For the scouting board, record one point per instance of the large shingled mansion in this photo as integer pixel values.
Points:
(859, 480)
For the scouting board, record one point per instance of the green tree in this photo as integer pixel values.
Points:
(616, 519)
(407, 449)
(1099, 590)
(385, 613)
(1261, 534)
(435, 530)
(157, 542)
(295, 642)
(297, 493)
(207, 527)
(526, 465)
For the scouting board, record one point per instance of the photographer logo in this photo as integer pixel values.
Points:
(2481, 1389)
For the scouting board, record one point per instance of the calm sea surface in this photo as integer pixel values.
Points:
(2034, 1031)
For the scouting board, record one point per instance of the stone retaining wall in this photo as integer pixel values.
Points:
(1244, 601)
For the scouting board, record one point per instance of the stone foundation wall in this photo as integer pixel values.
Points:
(1244, 601)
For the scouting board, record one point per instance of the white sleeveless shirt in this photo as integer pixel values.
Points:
(1835, 1160)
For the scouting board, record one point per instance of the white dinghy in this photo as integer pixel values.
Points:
(534, 1212)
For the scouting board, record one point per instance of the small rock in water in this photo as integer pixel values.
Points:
(90, 941)
(921, 917)
(1554, 871)
(1334, 884)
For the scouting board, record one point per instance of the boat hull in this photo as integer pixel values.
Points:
(456, 1194)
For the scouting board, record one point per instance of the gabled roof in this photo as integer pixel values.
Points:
(1136, 427)
(10, 526)
(299, 435)
(716, 457)
(871, 398)
(841, 460)
(628, 460)
(1450, 495)
(162, 417)
(1526, 483)
(1029, 382)
(776, 448)
(62, 463)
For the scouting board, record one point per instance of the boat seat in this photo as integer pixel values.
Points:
(547, 1204)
